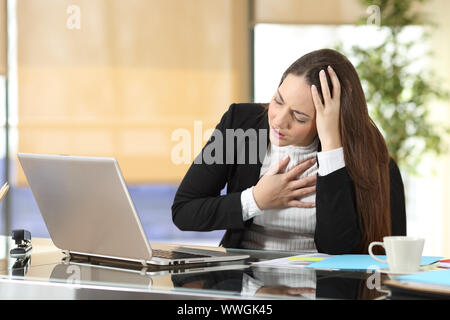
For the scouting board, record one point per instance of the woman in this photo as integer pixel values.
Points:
(352, 195)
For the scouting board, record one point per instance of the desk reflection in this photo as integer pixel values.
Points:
(76, 273)
(302, 283)
(228, 280)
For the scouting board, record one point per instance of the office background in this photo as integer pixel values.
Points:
(119, 77)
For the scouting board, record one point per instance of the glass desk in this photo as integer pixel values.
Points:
(48, 274)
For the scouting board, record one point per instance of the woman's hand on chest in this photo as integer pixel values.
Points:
(278, 190)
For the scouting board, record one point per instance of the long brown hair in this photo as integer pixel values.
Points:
(365, 152)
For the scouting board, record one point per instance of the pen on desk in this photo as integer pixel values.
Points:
(4, 190)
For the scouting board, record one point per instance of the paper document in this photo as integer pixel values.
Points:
(359, 262)
(440, 277)
(299, 261)
(445, 263)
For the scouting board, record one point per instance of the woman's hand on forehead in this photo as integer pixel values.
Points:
(327, 113)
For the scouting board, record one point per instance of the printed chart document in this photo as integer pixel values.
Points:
(360, 262)
(299, 261)
(354, 262)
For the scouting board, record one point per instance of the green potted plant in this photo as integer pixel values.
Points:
(400, 93)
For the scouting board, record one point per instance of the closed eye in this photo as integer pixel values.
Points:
(294, 112)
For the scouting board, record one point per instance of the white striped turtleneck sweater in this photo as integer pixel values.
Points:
(288, 229)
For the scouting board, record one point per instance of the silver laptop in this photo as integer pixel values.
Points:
(88, 211)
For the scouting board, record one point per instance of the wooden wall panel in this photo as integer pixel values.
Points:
(133, 73)
(308, 11)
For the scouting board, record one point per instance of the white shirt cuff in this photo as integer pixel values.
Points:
(330, 161)
(249, 207)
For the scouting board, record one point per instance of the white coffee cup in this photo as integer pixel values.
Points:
(403, 254)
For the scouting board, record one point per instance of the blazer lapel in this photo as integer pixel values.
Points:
(262, 128)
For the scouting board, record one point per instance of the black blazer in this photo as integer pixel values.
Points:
(199, 206)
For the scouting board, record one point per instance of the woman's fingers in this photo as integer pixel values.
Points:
(296, 171)
(298, 291)
(301, 204)
(316, 99)
(325, 89)
(300, 193)
(279, 166)
(336, 84)
(304, 182)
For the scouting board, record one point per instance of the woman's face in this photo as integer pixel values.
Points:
(292, 115)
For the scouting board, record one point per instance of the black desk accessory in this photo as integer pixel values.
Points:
(20, 267)
(22, 239)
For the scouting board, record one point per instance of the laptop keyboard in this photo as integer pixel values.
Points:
(175, 255)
